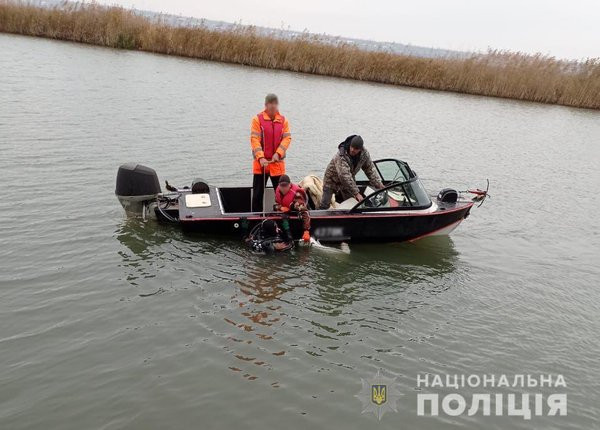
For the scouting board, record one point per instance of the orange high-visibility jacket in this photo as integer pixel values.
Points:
(268, 137)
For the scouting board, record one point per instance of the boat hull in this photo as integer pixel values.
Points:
(343, 227)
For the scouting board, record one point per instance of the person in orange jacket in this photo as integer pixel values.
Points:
(270, 139)
(292, 197)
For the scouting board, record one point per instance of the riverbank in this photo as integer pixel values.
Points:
(518, 76)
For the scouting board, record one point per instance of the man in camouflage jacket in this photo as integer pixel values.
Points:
(346, 163)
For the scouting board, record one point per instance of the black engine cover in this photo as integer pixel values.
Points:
(448, 195)
(136, 180)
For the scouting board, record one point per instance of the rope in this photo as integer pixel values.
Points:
(264, 189)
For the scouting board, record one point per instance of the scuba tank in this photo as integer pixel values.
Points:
(267, 237)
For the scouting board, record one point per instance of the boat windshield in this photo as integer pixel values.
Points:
(405, 195)
(389, 170)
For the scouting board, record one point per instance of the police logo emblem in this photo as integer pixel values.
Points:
(379, 395)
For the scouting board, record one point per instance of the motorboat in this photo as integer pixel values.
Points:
(401, 211)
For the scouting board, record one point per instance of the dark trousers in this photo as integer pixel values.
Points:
(328, 193)
(258, 186)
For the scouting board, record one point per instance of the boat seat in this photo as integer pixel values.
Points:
(269, 200)
(351, 202)
(347, 204)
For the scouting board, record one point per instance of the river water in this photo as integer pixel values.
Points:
(111, 323)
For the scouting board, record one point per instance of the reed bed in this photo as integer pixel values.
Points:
(512, 75)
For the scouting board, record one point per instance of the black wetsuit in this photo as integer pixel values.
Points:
(267, 237)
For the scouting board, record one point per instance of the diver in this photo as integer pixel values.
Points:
(267, 237)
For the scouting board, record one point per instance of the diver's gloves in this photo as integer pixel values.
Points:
(306, 236)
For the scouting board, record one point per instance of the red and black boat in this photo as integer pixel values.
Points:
(401, 211)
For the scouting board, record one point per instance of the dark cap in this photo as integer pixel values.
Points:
(357, 142)
(271, 98)
(269, 228)
(284, 179)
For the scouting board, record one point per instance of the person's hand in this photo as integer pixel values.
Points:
(284, 209)
(275, 158)
(359, 197)
(263, 162)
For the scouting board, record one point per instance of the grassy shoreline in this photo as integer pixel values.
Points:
(518, 76)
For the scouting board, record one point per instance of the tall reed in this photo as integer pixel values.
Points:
(512, 75)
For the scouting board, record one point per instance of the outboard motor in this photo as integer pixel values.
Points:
(136, 186)
(447, 195)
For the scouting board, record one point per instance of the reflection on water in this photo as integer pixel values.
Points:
(138, 236)
(371, 264)
(143, 253)
(258, 300)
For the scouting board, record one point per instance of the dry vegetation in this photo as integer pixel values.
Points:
(500, 74)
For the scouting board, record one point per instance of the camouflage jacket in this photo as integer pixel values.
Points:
(340, 173)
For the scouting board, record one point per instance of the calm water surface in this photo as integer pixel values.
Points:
(237, 340)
